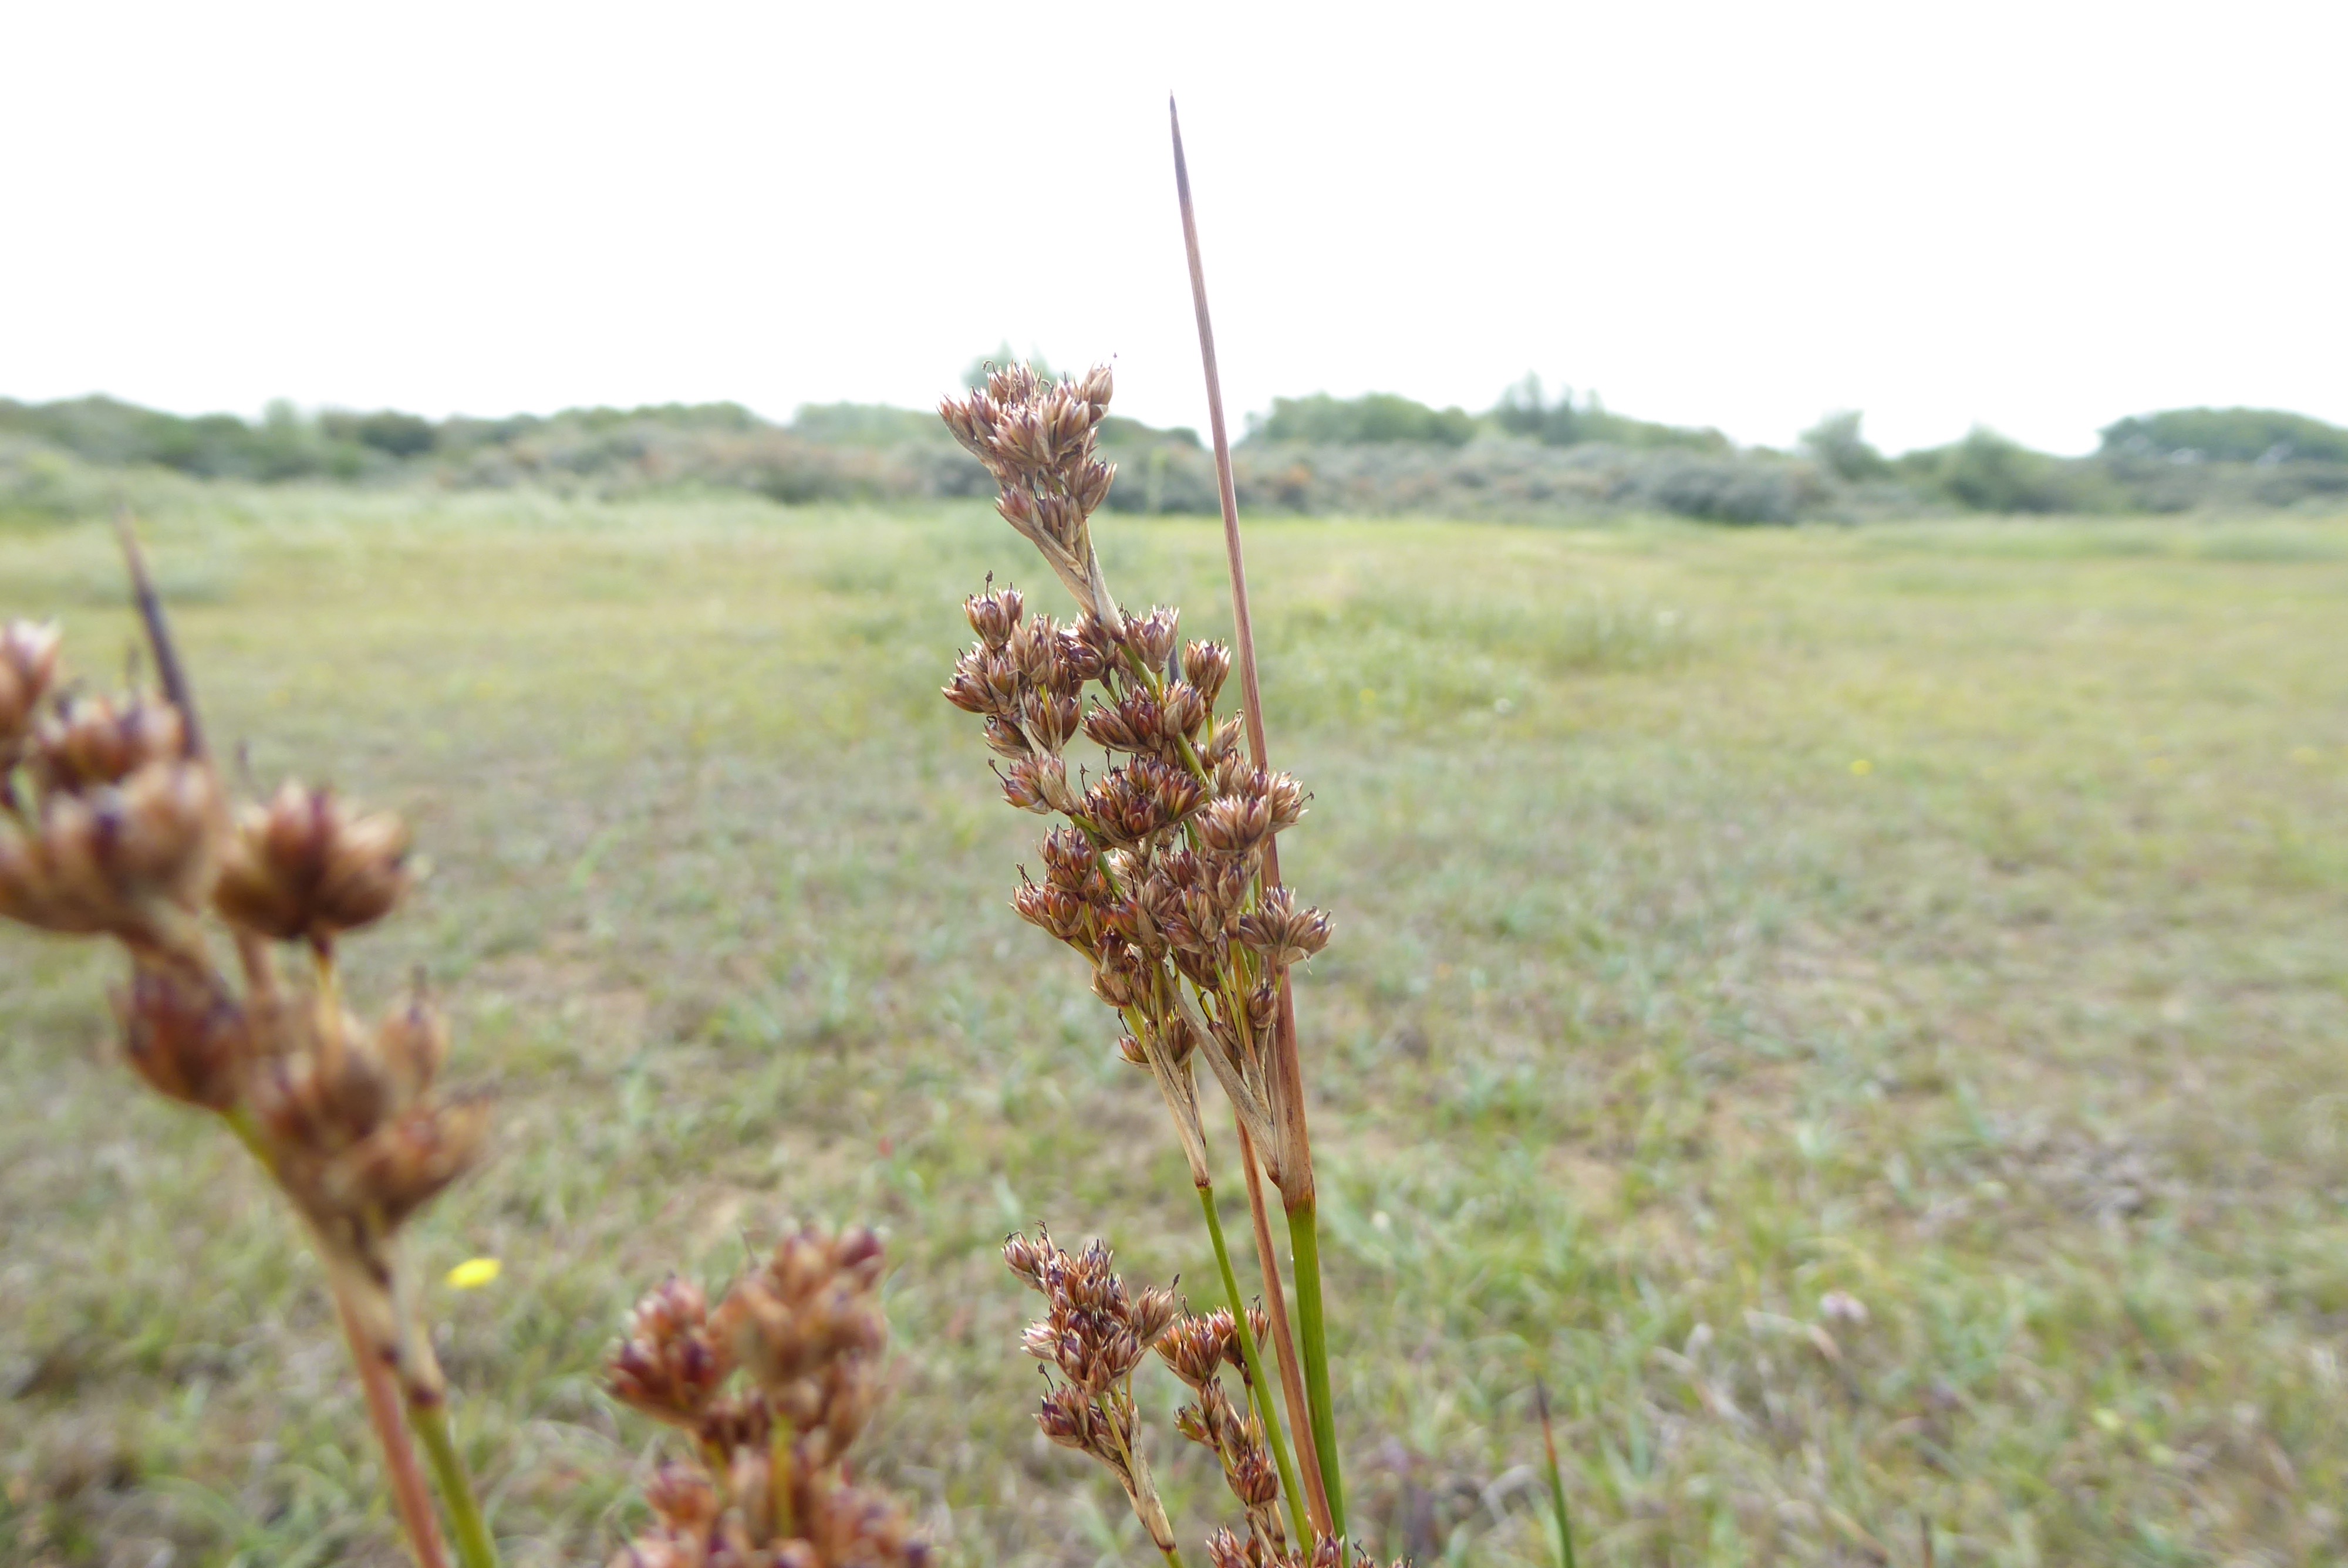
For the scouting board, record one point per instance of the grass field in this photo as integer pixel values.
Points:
(1953, 916)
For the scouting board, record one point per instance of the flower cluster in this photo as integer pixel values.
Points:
(112, 825)
(774, 1384)
(109, 830)
(1197, 1349)
(1039, 441)
(1158, 877)
(1093, 1334)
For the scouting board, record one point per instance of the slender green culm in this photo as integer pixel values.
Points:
(467, 1528)
(1556, 1478)
(1312, 1347)
(1259, 1386)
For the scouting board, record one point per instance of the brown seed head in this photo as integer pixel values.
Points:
(1068, 1419)
(852, 1527)
(1283, 933)
(28, 666)
(1004, 738)
(1050, 719)
(804, 1324)
(1056, 910)
(1034, 783)
(1206, 665)
(90, 740)
(1153, 635)
(1122, 976)
(1222, 750)
(1089, 487)
(1153, 1310)
(682, 1497)
(1192, 1347)
(1187, 712)
(994, 615)
(307, 867)
(104, 860)
(407, 1163)
(1284, 797)
(985, 682)
(669, 1365)
(412, 1045)
(1224, 1550)
(1095, 389)
(318, 1090)
(1026, 1258)
(1071, 862)
(184, 1034)
(1235, 825)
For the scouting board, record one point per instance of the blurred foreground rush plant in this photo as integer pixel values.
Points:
(114, 825)
(767, 1486)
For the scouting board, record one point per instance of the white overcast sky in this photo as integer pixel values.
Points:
(2037, 217)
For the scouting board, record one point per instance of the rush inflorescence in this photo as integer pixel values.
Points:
(114, 826)
(773, 1385)
(1162, 874)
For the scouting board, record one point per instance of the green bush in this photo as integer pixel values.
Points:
(1723, 489)
(1524, 411)
(1836, 443)
(394, 433)
(866, 424)
(2228, 436)
(1988, 473)
(1378, 418)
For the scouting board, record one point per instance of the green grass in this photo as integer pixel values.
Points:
(1649, 1022)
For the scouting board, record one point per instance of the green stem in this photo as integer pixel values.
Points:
(1556, 1477)
(1564, 1519)
(1313, 1346)
(1259, 1386)
(429, 1420)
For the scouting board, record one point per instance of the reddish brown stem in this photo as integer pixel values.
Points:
(1292, 1164)
(408, 1494)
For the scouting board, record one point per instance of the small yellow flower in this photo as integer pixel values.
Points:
(474, 1273)
(2306, 756)
(1860, 767)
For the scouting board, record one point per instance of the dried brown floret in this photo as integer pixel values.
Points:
(1206, 665)
(110, 859)
(28, 665)
(185, 1033)
(669, 1365)
(1283, 933)
(993, 615)
(307, 867)
(90, 741)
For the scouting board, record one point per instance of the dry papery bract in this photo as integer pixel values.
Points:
(1162, 874)
(772, 1386)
